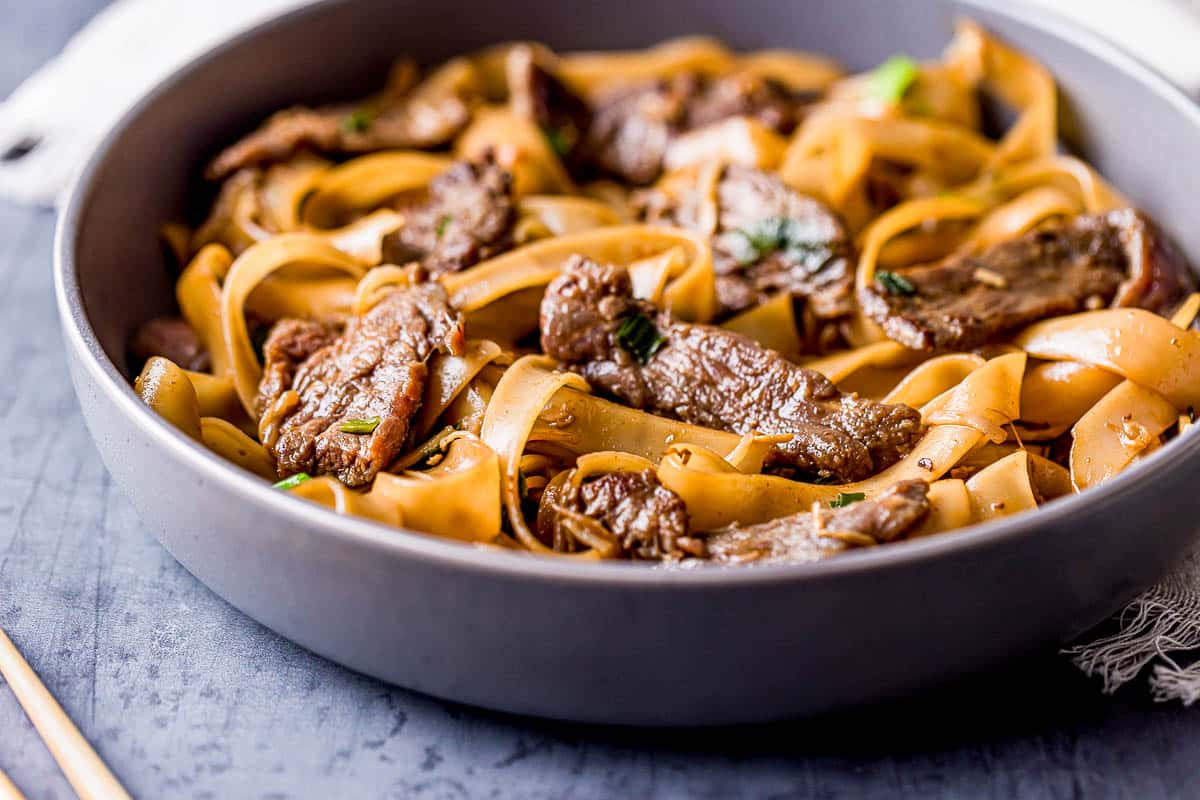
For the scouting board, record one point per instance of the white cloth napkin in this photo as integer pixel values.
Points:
(64, 108)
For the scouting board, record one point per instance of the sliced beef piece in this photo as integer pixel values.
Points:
(823, 532)
(1158, 275)
(173, 339)
(1092, 261)
(375, 370)
(397, 118)
(716, 378)
(537, 93)
(468, 218)
(631, 128)
(289, 344)
(648, 519)
(769, 238)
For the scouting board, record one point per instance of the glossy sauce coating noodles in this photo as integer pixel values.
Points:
(677, 305)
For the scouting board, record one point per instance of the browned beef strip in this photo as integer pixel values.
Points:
(538, 94)
(375, 369)
(813, 535)
(632, 127)
(173, 339)
(965, 301)
(468, 217)
(769, 238)
(648, 519)
(626, 132)
(713, 377)
(394, 119)
(288, 345)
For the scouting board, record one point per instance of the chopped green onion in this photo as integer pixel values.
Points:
(561, 139)
(891, 79)
(293, 481)
(359, 425)
(442, 223)
(846, 498)
(895, 283)
(357, 121)
(640, 337)
(765, 236)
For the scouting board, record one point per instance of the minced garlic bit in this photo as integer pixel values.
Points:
(990, 277)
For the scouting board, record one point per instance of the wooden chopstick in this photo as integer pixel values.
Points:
(88, 775)
(8, 790)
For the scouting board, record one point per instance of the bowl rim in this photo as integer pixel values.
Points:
(311, 519)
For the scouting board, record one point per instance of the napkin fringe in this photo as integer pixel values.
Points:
(1163, 620)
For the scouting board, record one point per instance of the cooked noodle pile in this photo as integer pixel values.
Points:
(677, 305)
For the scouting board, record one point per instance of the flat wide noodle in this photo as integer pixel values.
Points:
(1002, 489)
(690, 296)
(772, 324)
(1136, 344)
(935, 376)
(346, 191)
(164, 386)
(458, 498)
(234, 445)
(198, 292)
(949, 508)
(594, 72)
(1056, 394)
(580, 423)
(250, 269)
(519, 398)
(448, 377)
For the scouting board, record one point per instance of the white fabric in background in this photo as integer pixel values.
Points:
(68, 104)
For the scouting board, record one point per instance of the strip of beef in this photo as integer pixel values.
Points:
(768, 238)
(626, 133)
(649, 520)
(824, 532)
(1117, 258)
(468, 217)
(173, 339)
(397, 118)
(355, 395)
(289, 343)
(631, 128)
(538, 94)
(716, 378)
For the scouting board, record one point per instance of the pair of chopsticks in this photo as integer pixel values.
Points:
(88, 775)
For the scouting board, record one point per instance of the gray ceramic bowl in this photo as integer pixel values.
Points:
(617, 643)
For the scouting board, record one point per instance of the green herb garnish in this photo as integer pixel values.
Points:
(1191, 414)
(357, 121)
(895, 283)
(561, 139)
(761, 238)
(846, 498)
(889, 81)
(442, 223)
(640, 337)
(293, 481)
(359, 425)
(521, 487)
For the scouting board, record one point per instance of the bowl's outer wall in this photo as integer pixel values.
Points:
(671, 652)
